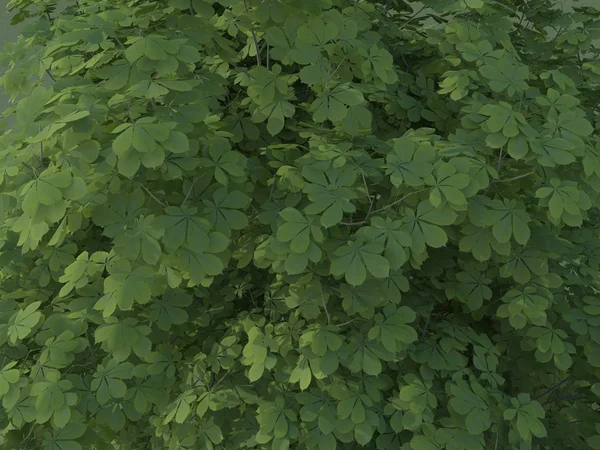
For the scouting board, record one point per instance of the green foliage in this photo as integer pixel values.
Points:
(316, 224)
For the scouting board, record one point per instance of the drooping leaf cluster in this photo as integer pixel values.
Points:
(316, 224)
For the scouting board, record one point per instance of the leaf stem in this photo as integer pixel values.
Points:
(518, 177)
(189, 192)
(554, 388)
(325, 307)
(153, 196)
(391, 205)
(253, 38)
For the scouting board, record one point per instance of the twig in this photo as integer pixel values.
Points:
(153, 196)
(426, 324)
(325, 307)
(87, 335)
(346, 323)
(262, 47)
(119, 42)
(42, 155)
(189, 192)
(220, 379)
(371, 199)
(272, 190)
(500, 160)
(554, 388)
(518, 177)
(411, 18)
(391, 205)
(253, 38)
(334, 71)
(50, 75)
(268, 56)
(564, 397)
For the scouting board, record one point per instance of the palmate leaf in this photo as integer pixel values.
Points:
(225, 211)
(330, 193)
(64, 439)
(123, 337)
(274, 113)
(482, 52)
(503, 119)
(22, 322)
(390, 234)
(142, 240)
(509, 220)
(564, 202)
(8, 376)
(154, 47)
(391, 329)
(409, 163)
(225, 163)
(108, 381)
(184, 227)
(471, 402)
(354, 259)
(554, 151)
(526, 413)
(124, 286)
(448, 186)
(170, 310)
(360, 356)
(505, 75)
(473, 287)
(379, 61)
(480, 242)
(311, 40)
(333, 105)
(298, 230)
(140, 144)
(424, 225)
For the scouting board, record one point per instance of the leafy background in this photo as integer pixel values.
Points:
(300, 225)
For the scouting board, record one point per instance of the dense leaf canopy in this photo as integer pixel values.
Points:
(300, 224)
